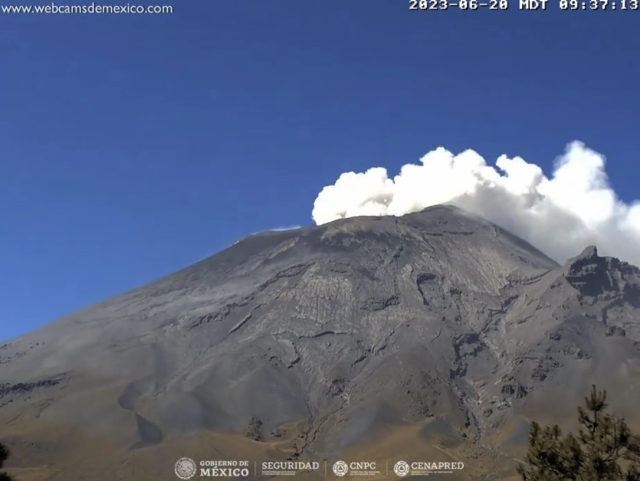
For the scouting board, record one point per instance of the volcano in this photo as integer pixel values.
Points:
(435, 336)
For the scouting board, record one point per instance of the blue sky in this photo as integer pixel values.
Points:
(134, 145)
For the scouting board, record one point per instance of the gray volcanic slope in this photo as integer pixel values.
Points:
(437, 319)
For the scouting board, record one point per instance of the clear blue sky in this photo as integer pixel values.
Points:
(134, 145)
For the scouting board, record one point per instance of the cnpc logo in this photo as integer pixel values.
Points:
(341, 468)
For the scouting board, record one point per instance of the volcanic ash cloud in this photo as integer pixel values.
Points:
(560, 215)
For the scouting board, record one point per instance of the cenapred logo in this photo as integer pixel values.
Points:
(340, 468)
(186, 468)
(425, 468)
(401, 468)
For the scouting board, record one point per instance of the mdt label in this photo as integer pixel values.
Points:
(533, 4)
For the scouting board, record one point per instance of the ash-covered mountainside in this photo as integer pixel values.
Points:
(348, 328)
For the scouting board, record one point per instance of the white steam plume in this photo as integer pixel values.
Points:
(560, 215)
